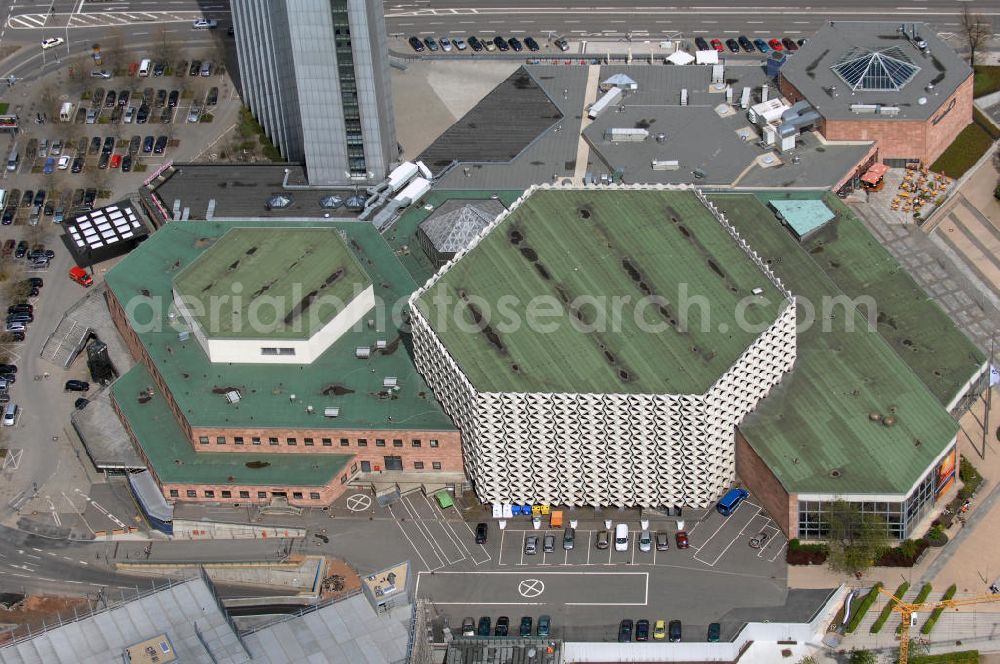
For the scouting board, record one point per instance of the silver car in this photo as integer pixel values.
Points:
(549, 543)
(645, 541)
(531, 545)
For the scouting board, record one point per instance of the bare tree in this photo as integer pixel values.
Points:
(114, 50)
(48, 99)
(977, 30)
(165, 50)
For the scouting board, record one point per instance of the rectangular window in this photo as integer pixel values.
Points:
(344, 442)
(203, 440)
(327, 442)
(308, 442)
(268, 351)
(290, 441)
(255, 440)
(354, 468)
(262, 494)
(244, 494)
(362, 442)
(436, 465)
(416, 442)
(272, 441)
(397, 443)
(220, 440)
(379, 442)
(174, 493)
(227, 494)
(286, 351)
(297, 494)
(313, 496)
(433, 442)
(418, 465)
(237, 440)
(191, 493)
(209, 493)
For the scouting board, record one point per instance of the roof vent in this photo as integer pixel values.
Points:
(291, 397)
(331, 411)
(390, 381)
(889, 420)
(233, 396)
(362, 352)
(922, 101)
(875, 416)
(380, 344)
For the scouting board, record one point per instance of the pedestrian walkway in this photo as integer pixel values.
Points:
(583, 148)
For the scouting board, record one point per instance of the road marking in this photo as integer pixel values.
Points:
(530, 588)
(426, 566)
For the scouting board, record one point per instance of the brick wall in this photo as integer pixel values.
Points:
(303, 496)
(954, 115)
(759, 479)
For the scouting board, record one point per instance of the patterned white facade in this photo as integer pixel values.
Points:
(624, 450)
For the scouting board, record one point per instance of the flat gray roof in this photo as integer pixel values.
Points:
(810, 70)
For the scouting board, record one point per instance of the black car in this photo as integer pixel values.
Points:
(102, 163)
(14, 308)
(10, 378)
(73, 385)
(161, 98)
(625, 631)
(525, 628)
(77, 165)
(39, 197)
(89, 196)
(8, 216)
(49, 209)
(475, 44)
(416, 44)
(8, 368)
(21, 317)
(123, 97)
(134, 144)
(642, 630)
(35, 282)
(109, 145)
(481, 533)
(27, 197)
(172, 99)
(484, 626)
(16, 335)
(142, 115)
(714, 632)
(194, 68)
(95, 145)
(81, 403)
(503, 626)
(213, 97)
(701, 44)
(515, 44)
(127, 163)
(531, 43)
(501, 43)
(733, 45)
(109, 101)
(147, 144)
(161, 145)
(159, 68)
(674, 631)
(789, 44)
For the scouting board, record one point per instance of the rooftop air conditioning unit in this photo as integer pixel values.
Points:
(331, 411)
(233, 396)
(362, 352)
(380, 344)
(390, 381)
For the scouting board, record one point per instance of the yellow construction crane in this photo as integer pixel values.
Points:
(906, 610)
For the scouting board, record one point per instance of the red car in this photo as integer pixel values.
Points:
(776, 44)
(116, 160)
(682, 539)
(717, 45)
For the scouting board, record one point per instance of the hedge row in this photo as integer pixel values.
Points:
(929, 625)
(863, 607)
(964, 657)
(925, 590)
(887, 609)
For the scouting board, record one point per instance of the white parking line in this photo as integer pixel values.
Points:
(402, 530)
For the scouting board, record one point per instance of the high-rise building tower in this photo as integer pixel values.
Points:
(315, 73)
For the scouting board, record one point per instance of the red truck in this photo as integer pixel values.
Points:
(80, 276)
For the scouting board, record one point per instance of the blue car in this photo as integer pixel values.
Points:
(50, 166)
(761, 45)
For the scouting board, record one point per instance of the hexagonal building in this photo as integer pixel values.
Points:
(599, 347)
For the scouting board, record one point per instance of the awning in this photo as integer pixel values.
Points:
(707, 57)
(874, 174)
(680, 58)
(149, 496)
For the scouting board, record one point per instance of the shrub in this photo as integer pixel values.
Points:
(929, 625)
(964, 657)
(971, 479)
(936, 536)
(206, 117)
(925, 590)
(863, 606)
(904, 555)
(887, 609)
(806, 554)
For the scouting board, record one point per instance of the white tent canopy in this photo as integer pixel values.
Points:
(680, 58)
(707, 57)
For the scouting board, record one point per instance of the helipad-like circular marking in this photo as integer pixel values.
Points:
(358, 502)
(531, 588)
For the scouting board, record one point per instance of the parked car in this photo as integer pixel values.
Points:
(662, 541)
(500, 43)
(530, 545)
(194, 68)
(625, 631)
(761, 45)
(481, 531)
(430, 43)
(129, 115)
(475, 44)
(563, 44)
(659, 630)
(603, 539)
(109, 145)
(733, 45)
(64, 162)
(531, 44)
(213, 97)
(8, 217)
(95, 145)
(503, 626)
(103, 162)
(717, 45)
(81, 403)
(445, 44)
(484, 626)
(701, 44)
(147, 144)
(77, 165)
(100, 73)
(459, 43)
(159, 68)
(569, 538)
(134, 144)
(110, 100)
(161, 145)
(515, 44)
(416, 44)
(116, 161)
(789, 45)
(714, 632)
(775, 44)
(206, 69)
(682, 539)
(50, 166)
(194, 113)
(469, 626)
(645, 541)
(642, 630)
(173, 98)
(21, 250)
(544, 626)
(548, 543)
(674, 631)
(73, 385)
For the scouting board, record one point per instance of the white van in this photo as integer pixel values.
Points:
(621, 537)
(3, 198)
(145, 66)
(10, 415)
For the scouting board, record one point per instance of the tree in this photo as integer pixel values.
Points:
(855, 538)
(863, 657)
(114, 51)
(977, 30)
(166, 50)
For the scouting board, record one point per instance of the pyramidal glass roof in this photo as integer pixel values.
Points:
(884, 69)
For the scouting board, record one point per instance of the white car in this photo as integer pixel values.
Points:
(205, 24)
(64, 162)
(52, 42)
(129, 114)
(445, 44)
(100, 73)
(459, 43)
